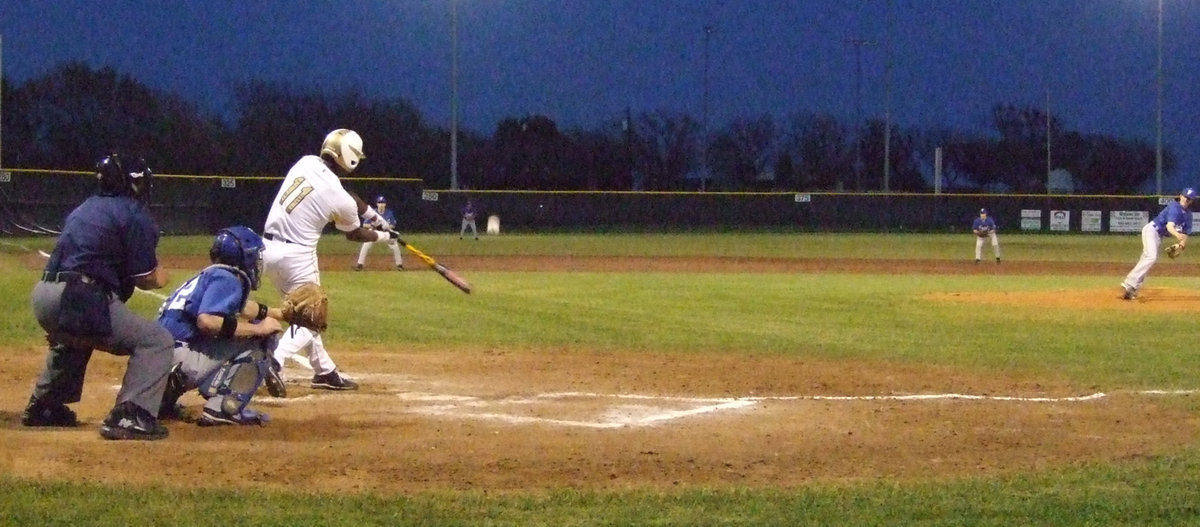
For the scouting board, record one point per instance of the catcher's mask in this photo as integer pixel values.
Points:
(343, 147)
(123, 177)
(239, 247)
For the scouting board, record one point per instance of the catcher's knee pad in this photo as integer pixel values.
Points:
(237, 380)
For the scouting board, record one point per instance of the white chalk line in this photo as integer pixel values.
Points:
(618, 416)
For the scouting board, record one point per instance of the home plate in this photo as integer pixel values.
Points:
(586, 410)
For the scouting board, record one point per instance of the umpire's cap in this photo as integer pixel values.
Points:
(1190, 193)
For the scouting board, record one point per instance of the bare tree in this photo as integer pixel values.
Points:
(666, 149)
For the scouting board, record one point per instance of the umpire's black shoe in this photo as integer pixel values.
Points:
(333, 381)
(130, 421)
(274, 381)
(48, 414)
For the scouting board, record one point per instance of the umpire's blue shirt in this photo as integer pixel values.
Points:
(111, 239)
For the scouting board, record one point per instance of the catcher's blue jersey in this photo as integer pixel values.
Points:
(1174, 213)
(217, 290)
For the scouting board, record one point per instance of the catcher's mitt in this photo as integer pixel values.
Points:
(307, 306)
(1174, 250)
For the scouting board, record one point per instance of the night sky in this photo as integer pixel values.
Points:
(582, 62)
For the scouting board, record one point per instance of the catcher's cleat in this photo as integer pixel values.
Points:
(130, 421)
(333, 381)
(274, 381)
(247, 416)
(176, 386)
(357, 267)
(48, 414)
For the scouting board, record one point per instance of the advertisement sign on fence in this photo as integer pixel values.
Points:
(1090, 221)
(1060, 220)
(1031, 219)
(1127, 220)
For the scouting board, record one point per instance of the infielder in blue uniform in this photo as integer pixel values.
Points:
(106, 249)
(223, 340)
(984, 228)
(468, 220)
(1176, 220)
(388, 216)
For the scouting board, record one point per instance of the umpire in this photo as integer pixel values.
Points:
(106, 248)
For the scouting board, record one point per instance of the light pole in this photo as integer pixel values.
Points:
(887, 105)
(858, 44)
(453, 94)
(708, 29)
(1158, 152)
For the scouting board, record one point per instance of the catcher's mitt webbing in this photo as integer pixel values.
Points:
(306, 306)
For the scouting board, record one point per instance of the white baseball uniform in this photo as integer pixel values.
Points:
(310, 198)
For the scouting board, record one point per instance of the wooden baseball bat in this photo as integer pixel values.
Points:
(446, 273)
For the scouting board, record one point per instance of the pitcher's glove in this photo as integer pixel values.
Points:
(307, 306)
(1174, 250)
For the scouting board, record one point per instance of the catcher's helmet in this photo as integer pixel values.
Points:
(123, 177)
(343, 147)
(239, 247)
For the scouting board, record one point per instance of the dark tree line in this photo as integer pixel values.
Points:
(72, 116)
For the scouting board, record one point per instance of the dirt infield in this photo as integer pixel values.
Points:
(581, 419)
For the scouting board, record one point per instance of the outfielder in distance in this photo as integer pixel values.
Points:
(1176, 220)
(984, 228)
(223, 340)
(382, 209)
(310, 198)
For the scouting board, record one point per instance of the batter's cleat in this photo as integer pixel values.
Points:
(357, 267)
(130, 421)
(247, 416)
(333, 381)
(176, 386)
(48, 414)
(274, 381)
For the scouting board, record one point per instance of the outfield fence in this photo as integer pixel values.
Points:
(37, 201)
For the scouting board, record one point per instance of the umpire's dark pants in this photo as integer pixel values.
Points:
(150, 348)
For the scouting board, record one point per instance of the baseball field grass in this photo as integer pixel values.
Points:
(830, 316)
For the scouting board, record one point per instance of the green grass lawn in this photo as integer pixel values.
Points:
(826, 316)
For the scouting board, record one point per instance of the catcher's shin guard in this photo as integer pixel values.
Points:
(237, 380)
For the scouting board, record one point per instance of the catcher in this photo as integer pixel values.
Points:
(984, 228)
(1175, 220)
(223, 340)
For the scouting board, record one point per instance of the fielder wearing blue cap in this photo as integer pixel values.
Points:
(381, 208)
(984, 228)
(1176, 220)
